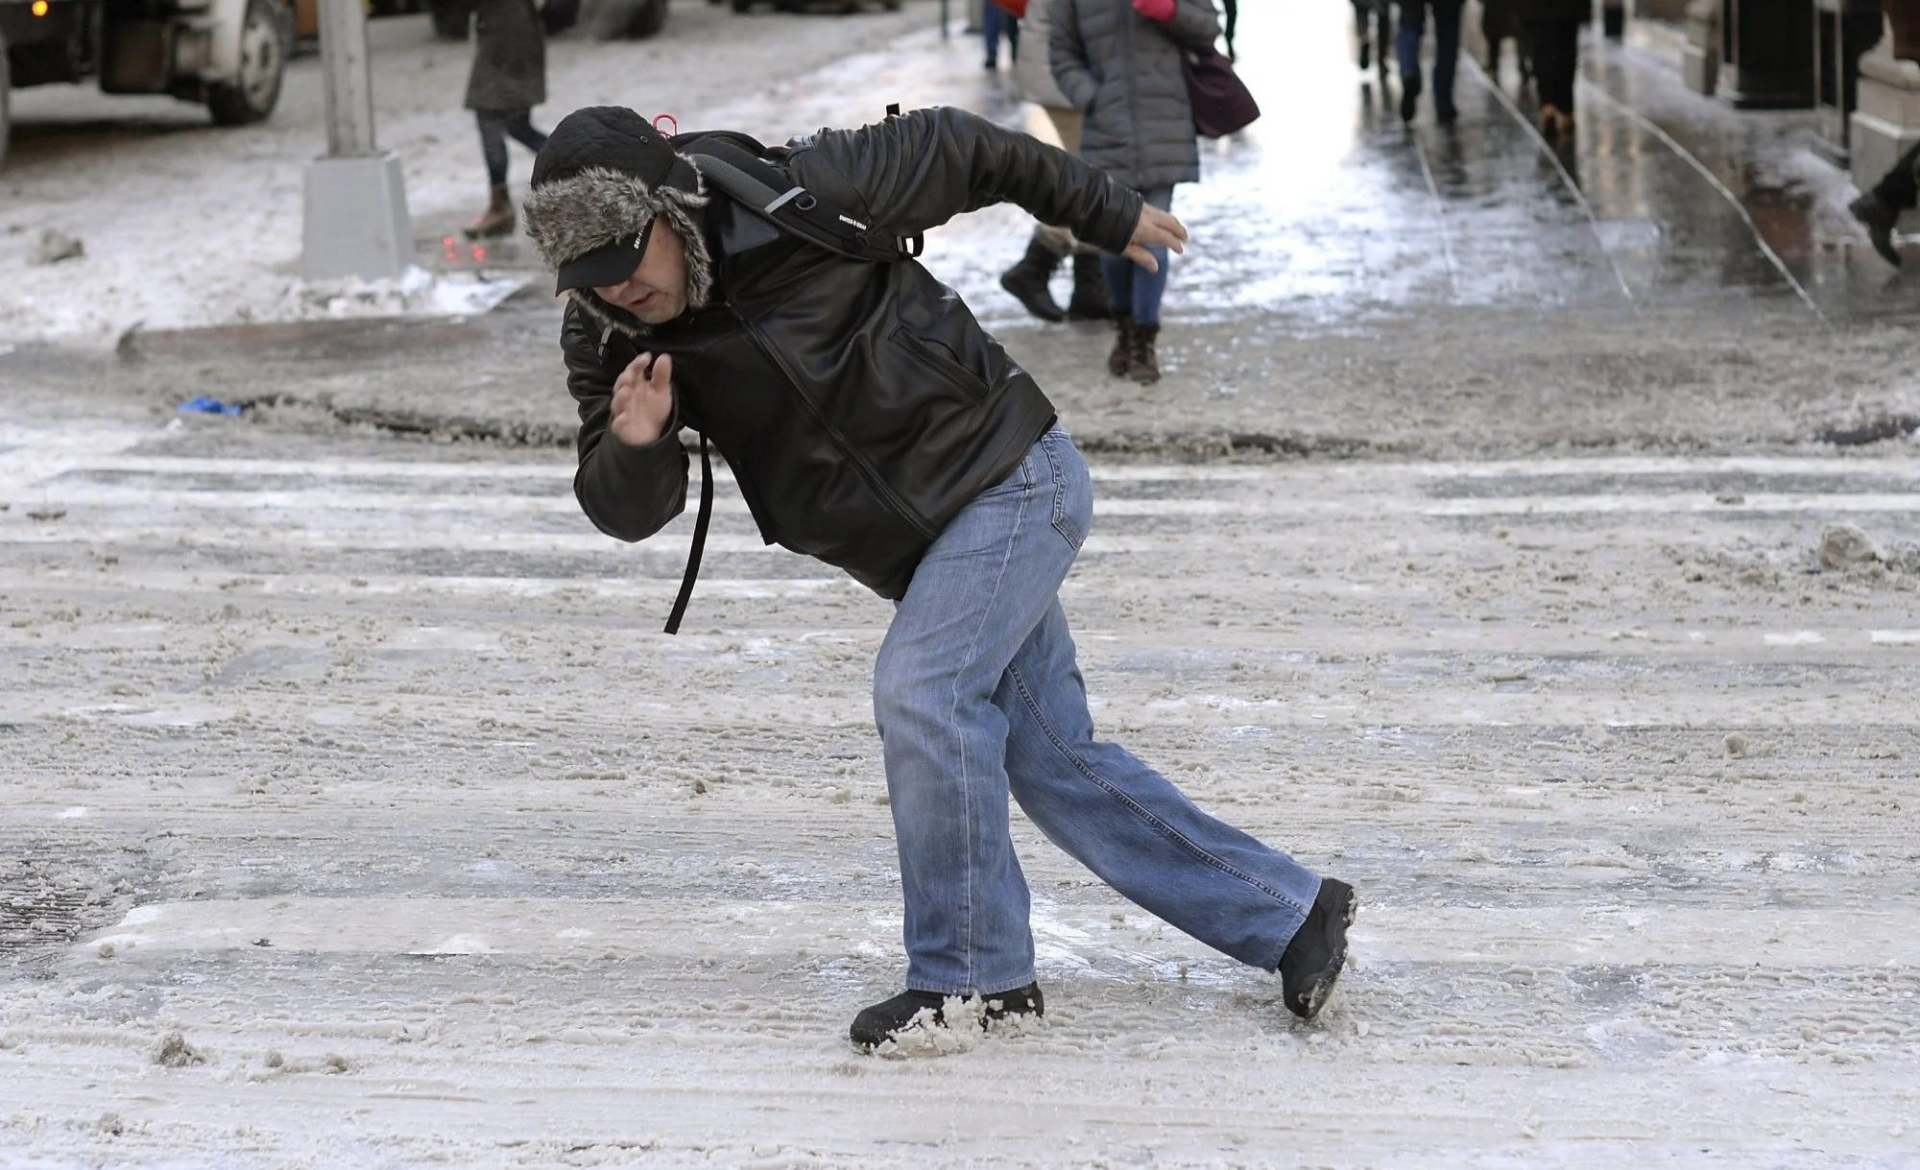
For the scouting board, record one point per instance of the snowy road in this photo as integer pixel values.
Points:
(359, 765)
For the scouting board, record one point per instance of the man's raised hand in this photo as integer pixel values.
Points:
(1155, 227)
(642, 400)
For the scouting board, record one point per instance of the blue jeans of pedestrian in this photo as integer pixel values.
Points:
(978, 698)
(1134, 290)
(1446, 45)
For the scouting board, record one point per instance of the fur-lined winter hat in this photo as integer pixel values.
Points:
(600, 183)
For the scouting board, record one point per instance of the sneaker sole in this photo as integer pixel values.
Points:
(1323, 987)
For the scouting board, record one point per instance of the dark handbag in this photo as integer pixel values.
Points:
(1221, 103)
(559, 15)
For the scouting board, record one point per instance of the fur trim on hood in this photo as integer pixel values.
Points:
(569, 217)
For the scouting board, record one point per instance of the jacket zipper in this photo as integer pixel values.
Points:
(880, 487)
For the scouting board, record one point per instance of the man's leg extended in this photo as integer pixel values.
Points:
(1130, 825)
(978, 593)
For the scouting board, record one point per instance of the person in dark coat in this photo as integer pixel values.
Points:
(1446, 55)
(1051, 244)
(870, 422)
(1551, 32)
(1880, 209)
(1119, 62)
(1898, 191)
(509, 78)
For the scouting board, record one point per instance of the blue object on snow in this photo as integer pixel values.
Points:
(206, 405)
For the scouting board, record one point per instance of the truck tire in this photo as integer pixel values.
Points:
(650, 19)
(452, 19)
(263, 66)
(6, 87)
(623, 20)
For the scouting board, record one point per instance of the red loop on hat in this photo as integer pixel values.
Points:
(668, 118)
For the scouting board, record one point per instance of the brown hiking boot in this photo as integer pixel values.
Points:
(1122, 355)
(1143, 365)
(496, 220)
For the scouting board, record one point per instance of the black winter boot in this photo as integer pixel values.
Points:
(1879, 219)
(913, 1011)
(1090, 301)
(1318, 951)
(1143, 365)
(1027, 281)
(1122, 354)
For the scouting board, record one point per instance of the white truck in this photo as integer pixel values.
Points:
(228, 54)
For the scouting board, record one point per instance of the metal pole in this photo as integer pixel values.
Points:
(356, 222)
(944, 34)
(349, 78)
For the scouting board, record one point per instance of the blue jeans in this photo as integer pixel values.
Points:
(1446, 45)
(978, 697)
(1134, 290)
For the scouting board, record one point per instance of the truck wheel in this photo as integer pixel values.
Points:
(451, 18)
(6, 87)
(263, 64)
(650, 19)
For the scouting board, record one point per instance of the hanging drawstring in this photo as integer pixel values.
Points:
(699, 540)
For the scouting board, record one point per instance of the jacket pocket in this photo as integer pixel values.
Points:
(940, 361)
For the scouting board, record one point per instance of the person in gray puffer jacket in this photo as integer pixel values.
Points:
(1120, 63)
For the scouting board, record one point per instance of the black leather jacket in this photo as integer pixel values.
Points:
(860, 405)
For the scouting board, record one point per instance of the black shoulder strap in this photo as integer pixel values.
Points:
(769, 193)
(699, 541)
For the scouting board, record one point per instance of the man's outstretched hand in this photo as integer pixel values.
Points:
(1156, 227)
(642, 400)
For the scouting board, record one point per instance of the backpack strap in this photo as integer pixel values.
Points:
(699, 541)
(771, 194)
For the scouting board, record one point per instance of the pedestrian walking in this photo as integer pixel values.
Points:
(1551, 34)
(1050, 245)
(1880, 209)
(509, 78)
(870, 422)
(1899, 189)
(996, 22)
(1446, 56)
(1373, 24)
(1119, 62)
(1500, 23)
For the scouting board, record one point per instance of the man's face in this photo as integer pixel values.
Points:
(657, 290)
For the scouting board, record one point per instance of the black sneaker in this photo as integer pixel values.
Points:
(1879, 219)
(1409, 98)
(1316, 954)
(912, 1011)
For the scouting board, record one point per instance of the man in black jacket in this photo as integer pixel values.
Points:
(872, 423)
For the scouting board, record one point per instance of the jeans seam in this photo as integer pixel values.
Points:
(966, 788)
(1061, 522)
(1133, 806)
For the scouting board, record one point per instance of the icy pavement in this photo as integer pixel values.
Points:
(353, 811)
(355, 814)
(1327, 213)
